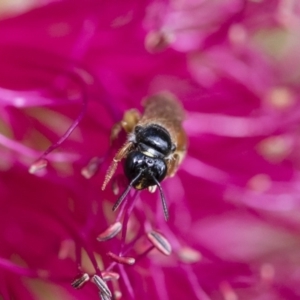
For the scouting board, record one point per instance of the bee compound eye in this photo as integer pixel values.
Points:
(133, 164)
(159, 169)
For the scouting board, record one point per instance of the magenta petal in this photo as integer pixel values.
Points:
(69, 71)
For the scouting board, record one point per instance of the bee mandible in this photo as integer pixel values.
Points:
(155, 146)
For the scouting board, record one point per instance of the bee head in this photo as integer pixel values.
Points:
(144, 171)
(151, 169)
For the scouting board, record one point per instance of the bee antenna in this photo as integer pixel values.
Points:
(125, 193)
(163, 199)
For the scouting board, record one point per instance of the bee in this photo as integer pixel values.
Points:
(155, 147)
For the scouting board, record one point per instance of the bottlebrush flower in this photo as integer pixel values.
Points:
(234, 202)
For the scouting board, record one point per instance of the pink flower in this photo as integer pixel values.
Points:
(234, 202)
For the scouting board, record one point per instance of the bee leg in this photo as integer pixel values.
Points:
(178, 155)
(173, 165)
(130, 119)
(113, 166)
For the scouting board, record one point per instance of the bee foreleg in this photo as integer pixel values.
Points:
(173, 164)
(113, 166)
(129, 121)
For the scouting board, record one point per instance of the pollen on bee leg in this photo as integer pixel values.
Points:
(130, 119)
(38, 165)
(121, 259)
(92, 167)
(110, 232)
(80, 280)
(102, 286)
(160, 242)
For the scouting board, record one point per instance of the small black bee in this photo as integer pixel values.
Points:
(155, 146)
